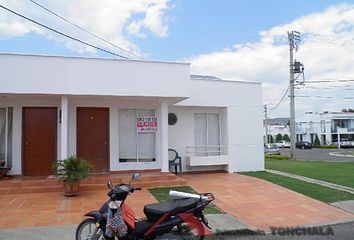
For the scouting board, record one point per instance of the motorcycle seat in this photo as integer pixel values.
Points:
(154, 211)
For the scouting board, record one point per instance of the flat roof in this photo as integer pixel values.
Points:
(90, 58)
(216, 79)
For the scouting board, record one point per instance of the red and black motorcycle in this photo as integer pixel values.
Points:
(178, 217)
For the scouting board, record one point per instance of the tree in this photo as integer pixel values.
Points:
(279, 137)
(317, 141)
(286, 138)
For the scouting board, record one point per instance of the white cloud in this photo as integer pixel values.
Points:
(327, 52)
(114, 20)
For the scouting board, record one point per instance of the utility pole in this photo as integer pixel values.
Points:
(293, 38)
(266, 123)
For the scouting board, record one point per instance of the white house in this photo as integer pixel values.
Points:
(325, 125)
(116, 114)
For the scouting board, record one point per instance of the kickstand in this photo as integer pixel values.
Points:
(179, 228)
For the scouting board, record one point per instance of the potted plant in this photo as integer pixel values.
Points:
(71, 171)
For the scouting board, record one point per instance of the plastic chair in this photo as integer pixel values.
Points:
(174, 160)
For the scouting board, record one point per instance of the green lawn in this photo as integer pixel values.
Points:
(339, 173)
(161, 194)
(318, 192)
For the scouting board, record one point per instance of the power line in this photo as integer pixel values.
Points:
(83, 29)
(336, 88)
(324, 97)
(281, 99)
(329, 80)
(63, 34)
(337, 42)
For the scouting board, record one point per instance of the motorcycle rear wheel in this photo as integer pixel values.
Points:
(187, 231)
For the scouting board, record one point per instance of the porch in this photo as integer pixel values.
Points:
(108, 131)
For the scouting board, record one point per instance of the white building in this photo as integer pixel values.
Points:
(115, 113)
(277, 126)
(325, 125)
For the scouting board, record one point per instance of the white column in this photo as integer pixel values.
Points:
(64, 127)
(164, 136)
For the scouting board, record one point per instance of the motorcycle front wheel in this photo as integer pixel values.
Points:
(87, 230)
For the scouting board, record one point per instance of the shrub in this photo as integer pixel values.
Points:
(276, 157)
(326, 146)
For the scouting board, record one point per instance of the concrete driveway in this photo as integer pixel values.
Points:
(319, 154)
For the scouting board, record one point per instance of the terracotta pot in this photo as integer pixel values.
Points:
(71, 189)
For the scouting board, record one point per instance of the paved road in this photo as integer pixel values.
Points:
(340, 232)
(318, 154)
(343, 231)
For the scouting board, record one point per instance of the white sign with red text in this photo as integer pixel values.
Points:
(146, 124)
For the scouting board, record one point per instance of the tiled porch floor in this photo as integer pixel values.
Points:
(261, 204)
(43, 209)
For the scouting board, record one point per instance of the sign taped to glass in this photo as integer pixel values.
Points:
(146, 124)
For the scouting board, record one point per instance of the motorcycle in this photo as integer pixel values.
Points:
(181, 216)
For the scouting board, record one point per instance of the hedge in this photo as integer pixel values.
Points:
(276, 157)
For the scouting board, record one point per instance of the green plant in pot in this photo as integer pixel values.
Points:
(71, 171)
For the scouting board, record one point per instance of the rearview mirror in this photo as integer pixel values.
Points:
(110, 185)
(136, 176)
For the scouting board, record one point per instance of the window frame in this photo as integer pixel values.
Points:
(137, 137)
(6, 135)
(207, 146)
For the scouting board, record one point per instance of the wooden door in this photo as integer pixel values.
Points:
(93, 137)
(39, 140)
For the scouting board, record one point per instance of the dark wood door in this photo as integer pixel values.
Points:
(39, 140)
(93, 137)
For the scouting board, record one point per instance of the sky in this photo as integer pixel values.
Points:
(230, 39)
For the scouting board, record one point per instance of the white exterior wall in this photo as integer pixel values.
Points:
(243, 101)
(245, 145)
(182, 134)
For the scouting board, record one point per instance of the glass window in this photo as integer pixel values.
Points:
(135, 146)
(2, 134)
(207, 134)
(323, 126)
(6, 135)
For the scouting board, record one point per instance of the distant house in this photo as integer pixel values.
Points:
(125, 115)
(325, 126)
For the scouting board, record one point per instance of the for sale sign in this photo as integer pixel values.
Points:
(146, 124)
